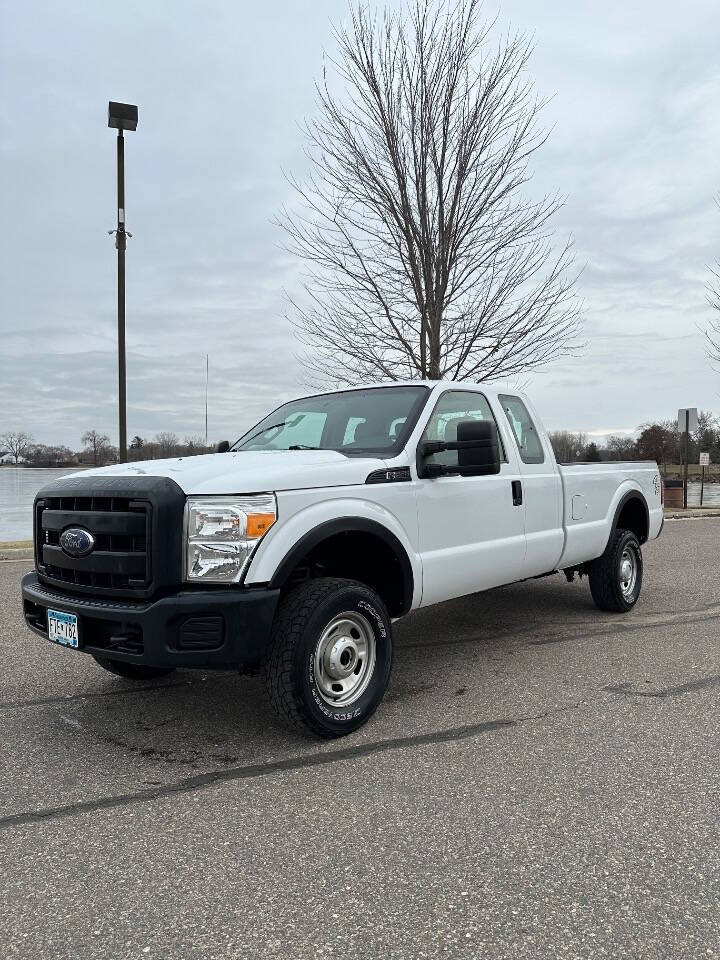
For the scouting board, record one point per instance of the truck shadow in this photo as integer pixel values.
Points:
(202, 721)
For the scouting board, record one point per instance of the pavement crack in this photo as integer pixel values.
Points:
(303, 761)
(606, 628)
(557, 711)
(691, 686)
(256, 770)
(618, 628)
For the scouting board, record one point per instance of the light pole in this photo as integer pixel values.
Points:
(121, 116)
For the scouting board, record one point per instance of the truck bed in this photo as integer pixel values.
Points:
(588, 488)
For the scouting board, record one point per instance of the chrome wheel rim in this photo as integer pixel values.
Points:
(628, 572)
(345, 659)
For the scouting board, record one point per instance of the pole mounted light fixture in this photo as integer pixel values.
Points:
(121, 116)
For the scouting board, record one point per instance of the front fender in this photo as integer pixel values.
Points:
(283, 537)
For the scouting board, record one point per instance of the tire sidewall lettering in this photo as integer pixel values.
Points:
(377, 622)
(363, 605)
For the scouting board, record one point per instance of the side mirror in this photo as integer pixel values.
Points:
(478, 448)
(222, 447)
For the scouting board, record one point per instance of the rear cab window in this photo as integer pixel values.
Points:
(521, 423)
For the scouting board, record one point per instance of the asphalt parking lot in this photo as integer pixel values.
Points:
(542, 780)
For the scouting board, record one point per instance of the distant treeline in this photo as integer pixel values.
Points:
(96, 450)
(660, 441)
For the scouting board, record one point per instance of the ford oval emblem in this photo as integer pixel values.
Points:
(77, 542)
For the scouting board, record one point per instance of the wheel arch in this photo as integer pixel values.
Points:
(352, 531)
(632, 513)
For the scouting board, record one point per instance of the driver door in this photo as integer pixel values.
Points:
(472, 534)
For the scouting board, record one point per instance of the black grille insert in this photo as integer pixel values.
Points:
(121, 526)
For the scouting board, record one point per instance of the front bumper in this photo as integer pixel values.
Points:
(192, 628)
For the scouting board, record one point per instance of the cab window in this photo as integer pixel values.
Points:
(523, 428)
(452, 408)
(352, 425)
(357, 423)
(304, 428)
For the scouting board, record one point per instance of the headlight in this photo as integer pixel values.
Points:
(221, 534)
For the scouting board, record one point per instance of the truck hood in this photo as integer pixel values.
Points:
(251, 471)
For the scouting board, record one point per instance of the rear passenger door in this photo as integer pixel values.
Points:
(471, 533)
(541, 488)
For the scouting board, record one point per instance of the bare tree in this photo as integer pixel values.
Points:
(425, 258)
(712, 332)
(42, 455)
(568, 447)
(98, 444)
(167, 444)
(659, 441)
(192, 446)
(621, 448)
(707, 429)
(592, 453)
(17, 444)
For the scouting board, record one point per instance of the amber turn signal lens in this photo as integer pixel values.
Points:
(258, 524)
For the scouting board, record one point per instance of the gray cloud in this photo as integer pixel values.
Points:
(222, 89)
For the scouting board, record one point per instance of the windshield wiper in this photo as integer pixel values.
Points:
(259, 433)
(303, 446)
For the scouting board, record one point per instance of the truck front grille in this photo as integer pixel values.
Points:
(136, 523)
(121, 558)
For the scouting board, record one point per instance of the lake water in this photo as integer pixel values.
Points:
(711, 495)
(18, 486)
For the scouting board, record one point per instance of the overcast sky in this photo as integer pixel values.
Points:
(222, 88)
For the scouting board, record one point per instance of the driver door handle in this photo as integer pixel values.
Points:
(517, 493)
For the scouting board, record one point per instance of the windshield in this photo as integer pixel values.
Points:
(355, 422)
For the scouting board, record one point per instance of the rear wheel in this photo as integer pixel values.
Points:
(330, 654)
(616, 576)
(132, 671)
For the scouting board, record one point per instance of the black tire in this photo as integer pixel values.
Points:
(606, 574)
(298, 690)
(132, 671)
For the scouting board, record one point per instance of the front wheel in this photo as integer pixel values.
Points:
(132, 671)
(616, 576)
(330, 655)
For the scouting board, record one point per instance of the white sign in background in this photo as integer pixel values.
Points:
(704, 459)
(693, 419)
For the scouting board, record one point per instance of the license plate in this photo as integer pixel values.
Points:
(63, 628)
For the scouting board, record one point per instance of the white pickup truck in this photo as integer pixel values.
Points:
(295, 549)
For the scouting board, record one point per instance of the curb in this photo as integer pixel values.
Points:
(16, 550)
(16, 555)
